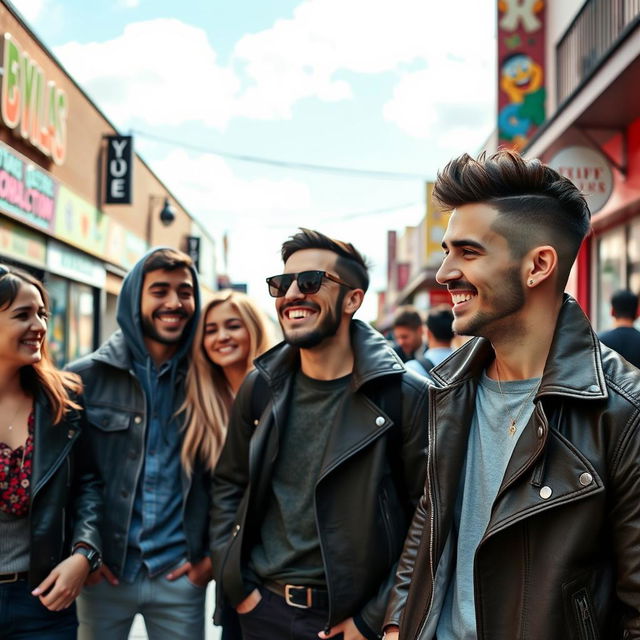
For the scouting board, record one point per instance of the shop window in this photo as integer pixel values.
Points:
(612, 273)
(81, 321)
(57, 289)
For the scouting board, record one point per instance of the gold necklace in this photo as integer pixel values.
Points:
(15, 415)
(514, 421)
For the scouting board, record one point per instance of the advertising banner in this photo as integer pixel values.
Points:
(21, 244)
(521, 70)
(27, 192)
(436, 226)
(80, 223)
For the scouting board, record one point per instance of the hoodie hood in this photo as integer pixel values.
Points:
(130, 320)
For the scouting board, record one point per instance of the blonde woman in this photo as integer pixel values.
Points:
(233, 331)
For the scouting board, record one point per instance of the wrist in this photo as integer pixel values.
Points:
(91, 555)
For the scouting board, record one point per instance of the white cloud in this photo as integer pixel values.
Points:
(31, 10)
(161, 71)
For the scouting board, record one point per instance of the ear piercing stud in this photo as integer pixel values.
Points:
(531, 281)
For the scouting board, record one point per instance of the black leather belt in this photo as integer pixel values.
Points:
(6, 578)
(300, 597)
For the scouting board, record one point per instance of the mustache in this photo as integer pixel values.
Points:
(305, 305)
(178, 312)
(460, 285)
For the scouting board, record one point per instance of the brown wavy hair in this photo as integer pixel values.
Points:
(42, 375)
(208, 396)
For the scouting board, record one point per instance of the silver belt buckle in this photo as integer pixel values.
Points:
(287, 596)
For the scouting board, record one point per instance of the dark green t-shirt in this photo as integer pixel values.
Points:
(289, 548)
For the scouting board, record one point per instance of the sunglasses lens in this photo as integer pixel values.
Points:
(309, 281)
(278, 285)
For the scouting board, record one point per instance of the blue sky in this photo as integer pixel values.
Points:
(370, 84)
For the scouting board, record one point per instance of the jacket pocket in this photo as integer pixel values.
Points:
(583, 612)
(108, 418)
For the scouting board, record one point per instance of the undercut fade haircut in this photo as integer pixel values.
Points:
(408, 317)
(536, 205)
(167, 260)
(351, 265)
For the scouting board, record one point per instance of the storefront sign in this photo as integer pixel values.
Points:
(75, 265)
(26, 192)
(521, 63)
(589, 170)
(32, 104)
(22, 245)
(80, 223)
(437, 221)
(119, 169)
(193, 250)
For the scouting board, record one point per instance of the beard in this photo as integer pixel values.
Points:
(150, 332)
(509, 301)
(327, 328)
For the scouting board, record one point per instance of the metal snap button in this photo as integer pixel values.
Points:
(397, 366)
(379, 421)
(138, 419)
(540, 432)
(586, 479)
(545, 493)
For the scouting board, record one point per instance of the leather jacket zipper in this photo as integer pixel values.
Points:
(384, 504)
(586, 628)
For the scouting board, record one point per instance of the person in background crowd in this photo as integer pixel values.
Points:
(624, 337)
(50, 497)
(232, 333)
(530, 522)
(323, 462)
(408, 333)
(155, 531)
(439, 337)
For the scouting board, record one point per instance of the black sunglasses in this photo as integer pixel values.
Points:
(308, 282)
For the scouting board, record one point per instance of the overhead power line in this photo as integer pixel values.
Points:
(298, 166)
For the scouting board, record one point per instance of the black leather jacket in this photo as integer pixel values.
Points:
(560, 559)
(116, 411)
(361, 531)
(66, 493)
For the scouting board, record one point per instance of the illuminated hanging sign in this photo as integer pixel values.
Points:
(34, 107)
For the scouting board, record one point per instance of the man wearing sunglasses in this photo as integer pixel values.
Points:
(323, 462)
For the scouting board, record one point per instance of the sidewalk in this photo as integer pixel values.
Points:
(138, 631)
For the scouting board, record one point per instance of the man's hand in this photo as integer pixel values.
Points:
(199, 574)
(250, 602)
(391, 633)
(347, 628)
(62, 586)
(103, 573)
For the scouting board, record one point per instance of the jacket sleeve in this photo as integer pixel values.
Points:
(231, 475)
(625, 524)
(87, 501)
(414, 464)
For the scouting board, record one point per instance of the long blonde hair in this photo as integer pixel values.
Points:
(208, 396)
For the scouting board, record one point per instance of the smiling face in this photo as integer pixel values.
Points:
(483, 278)
(307, 320)
(226, 340)
(167, 304)
(23, 326)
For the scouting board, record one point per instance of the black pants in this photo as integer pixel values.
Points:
(274, 619)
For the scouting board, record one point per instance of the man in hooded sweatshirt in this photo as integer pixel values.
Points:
(155, 523)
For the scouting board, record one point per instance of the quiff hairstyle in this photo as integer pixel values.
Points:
(536, 205)
(407, 316)
(351, 264)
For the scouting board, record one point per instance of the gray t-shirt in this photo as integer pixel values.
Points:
(289, 549)
(488, 453)
(14, 543)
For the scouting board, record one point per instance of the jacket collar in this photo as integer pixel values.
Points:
(373, 358)
(573, 367)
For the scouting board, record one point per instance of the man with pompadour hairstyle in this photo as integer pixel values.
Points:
(323, 463)
(529, 526)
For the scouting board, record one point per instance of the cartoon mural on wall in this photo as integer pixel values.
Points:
(521, 91)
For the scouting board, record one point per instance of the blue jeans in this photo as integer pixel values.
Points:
(171, 610)
(24, 617)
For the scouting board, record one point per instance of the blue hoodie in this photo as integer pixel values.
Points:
(156, 537)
